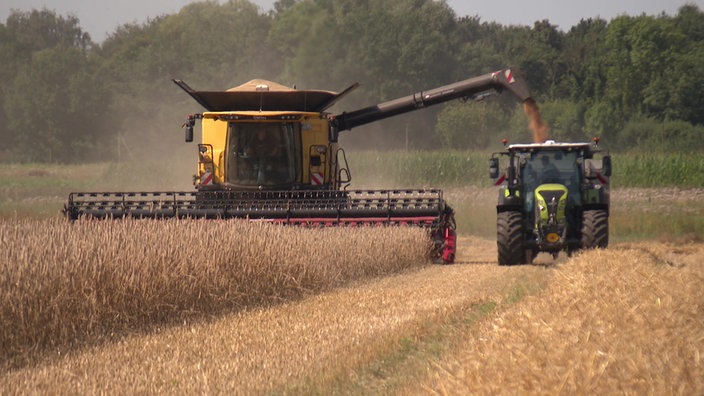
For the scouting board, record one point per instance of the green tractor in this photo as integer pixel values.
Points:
(553, 197)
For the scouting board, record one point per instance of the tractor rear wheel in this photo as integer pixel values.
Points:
(509, 238)
(595, 229)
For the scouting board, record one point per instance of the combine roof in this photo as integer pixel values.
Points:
(263, 95)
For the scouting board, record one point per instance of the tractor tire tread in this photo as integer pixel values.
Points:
(509, 241)
(595, 229)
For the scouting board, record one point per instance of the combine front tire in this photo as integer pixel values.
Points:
(595, 229)
(509, 238)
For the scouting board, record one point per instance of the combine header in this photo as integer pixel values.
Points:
(270, 153)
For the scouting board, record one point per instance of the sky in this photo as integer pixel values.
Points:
(101, 17)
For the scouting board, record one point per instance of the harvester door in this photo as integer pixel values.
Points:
(316, 164)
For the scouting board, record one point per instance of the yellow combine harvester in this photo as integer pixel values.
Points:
(271, 153)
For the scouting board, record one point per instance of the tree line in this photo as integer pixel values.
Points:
(635, 81)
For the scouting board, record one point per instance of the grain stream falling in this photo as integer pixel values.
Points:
(537, 126)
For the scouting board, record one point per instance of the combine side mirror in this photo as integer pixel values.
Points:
(606, 165)
(493, 168)
(189, 126)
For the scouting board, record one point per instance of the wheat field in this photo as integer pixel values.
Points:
(65, 285)
(625, 320)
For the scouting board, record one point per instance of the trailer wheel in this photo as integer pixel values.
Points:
(509, 238)
(595, 229)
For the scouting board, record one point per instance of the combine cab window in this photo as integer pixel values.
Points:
(263, 154)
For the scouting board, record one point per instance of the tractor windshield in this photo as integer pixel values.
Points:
(263, 154)
(548, 166)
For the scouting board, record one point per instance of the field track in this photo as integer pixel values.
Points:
(353, 339)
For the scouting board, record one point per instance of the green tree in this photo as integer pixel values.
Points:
(8, 68)
(686, 99)
(51, 99)
(471, 126)
(205, 43)
(477, 47)
(57, 107)
(647, 134)
(393, 48)
(584, 77)
(282, 5)
(65, 98)
(41, 29)
(209, 45)
(639, 54)
(535, 52)
(565, 120)
(686, 91)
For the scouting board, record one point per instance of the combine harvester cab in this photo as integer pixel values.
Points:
(270, 153)
(553, 197)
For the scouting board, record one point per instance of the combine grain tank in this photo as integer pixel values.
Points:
(270, 153)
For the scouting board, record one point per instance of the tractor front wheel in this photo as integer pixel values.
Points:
(595, 229)
(509, 238)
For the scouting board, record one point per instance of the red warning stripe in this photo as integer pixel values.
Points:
(316, 179)
(509, 76)
(206, 179)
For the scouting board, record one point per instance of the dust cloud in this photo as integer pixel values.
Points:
(537, 126)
